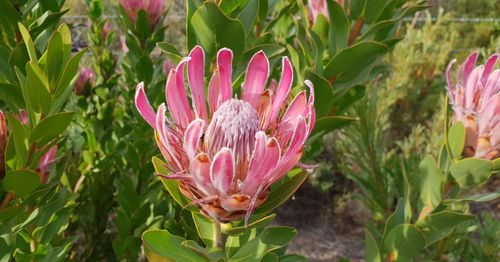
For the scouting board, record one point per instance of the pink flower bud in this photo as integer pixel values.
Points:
(85, 81)
(167, 65)
(153, 8)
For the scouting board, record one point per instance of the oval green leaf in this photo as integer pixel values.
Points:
(21, 182)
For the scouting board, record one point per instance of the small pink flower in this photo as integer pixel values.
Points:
(320, 7)
(154, 9)
(4, 135)
(44, 164)
(123, 44)
(85, 81)
(227, 153)
(475, 98)
(167, 65)
(105, 30)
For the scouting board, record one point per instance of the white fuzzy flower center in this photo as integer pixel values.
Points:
(233, 125)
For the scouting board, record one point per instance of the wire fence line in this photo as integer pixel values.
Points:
(406, 19)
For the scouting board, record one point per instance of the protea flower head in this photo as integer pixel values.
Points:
(153, 8)
(85, 81)
(227, 155)
(475, 98)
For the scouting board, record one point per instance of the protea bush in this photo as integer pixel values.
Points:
(475, 99)
(227, 153)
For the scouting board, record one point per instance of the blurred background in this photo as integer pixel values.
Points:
(328, 209)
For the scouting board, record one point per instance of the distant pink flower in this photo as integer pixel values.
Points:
(85, 81)
(44, 164)
(475, 98)
(153, 8)
(227, 155)
(105, 30)
(320, 7)
(4, 135)
(167, 65)
(123, 44)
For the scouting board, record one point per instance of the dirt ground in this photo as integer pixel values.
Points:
(329, 224)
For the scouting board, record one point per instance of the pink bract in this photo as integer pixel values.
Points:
(153, 8)
(475, 98)
(227, 153)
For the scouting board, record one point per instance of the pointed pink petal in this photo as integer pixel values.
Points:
(222, 171)
(451, 86)
(199, 169)
(225, 67)
(255, 78)
(468, 66)
(196, 76)
(488, 67)
(192, 136)
(264, 109)
(311, 110)
(283, 89)
(472, 87)
(214, 92)
(297, 107)
(292, 153)
(492, 86)
(163, 134)
(264, 159)
(143, 106)
(176, 96)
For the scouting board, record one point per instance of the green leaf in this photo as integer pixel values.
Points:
(456, 139)
(206, 229)
(170, 51)
(476, 198)
(145, 69)
(160, 245)
(55, 60)
(439, 225)
(28, 42)
(396, 218)
(430, 183)
(282, 192)
(471, 171)
(37, 87)
(372, 253)
(330, 123)
(270, 257)
(70, 71)
(21, 182)
(373, 9)
(404, 242)
(19, 136)
(339, 27)
(142, 25)
(51, 127)
(259, 223)
(248, 15)
(351, 61)
(270, 239)
(12, 95)
(345, 97)
(214, 30)
(171, 185)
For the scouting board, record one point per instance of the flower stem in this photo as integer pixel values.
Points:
(219, 242)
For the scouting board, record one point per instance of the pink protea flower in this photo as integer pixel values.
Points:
(475, 98)
(227, 155)
(44, 164)
(320, 7)
(154, 9)
(4, 135)
(85, 81)
(167, 65)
